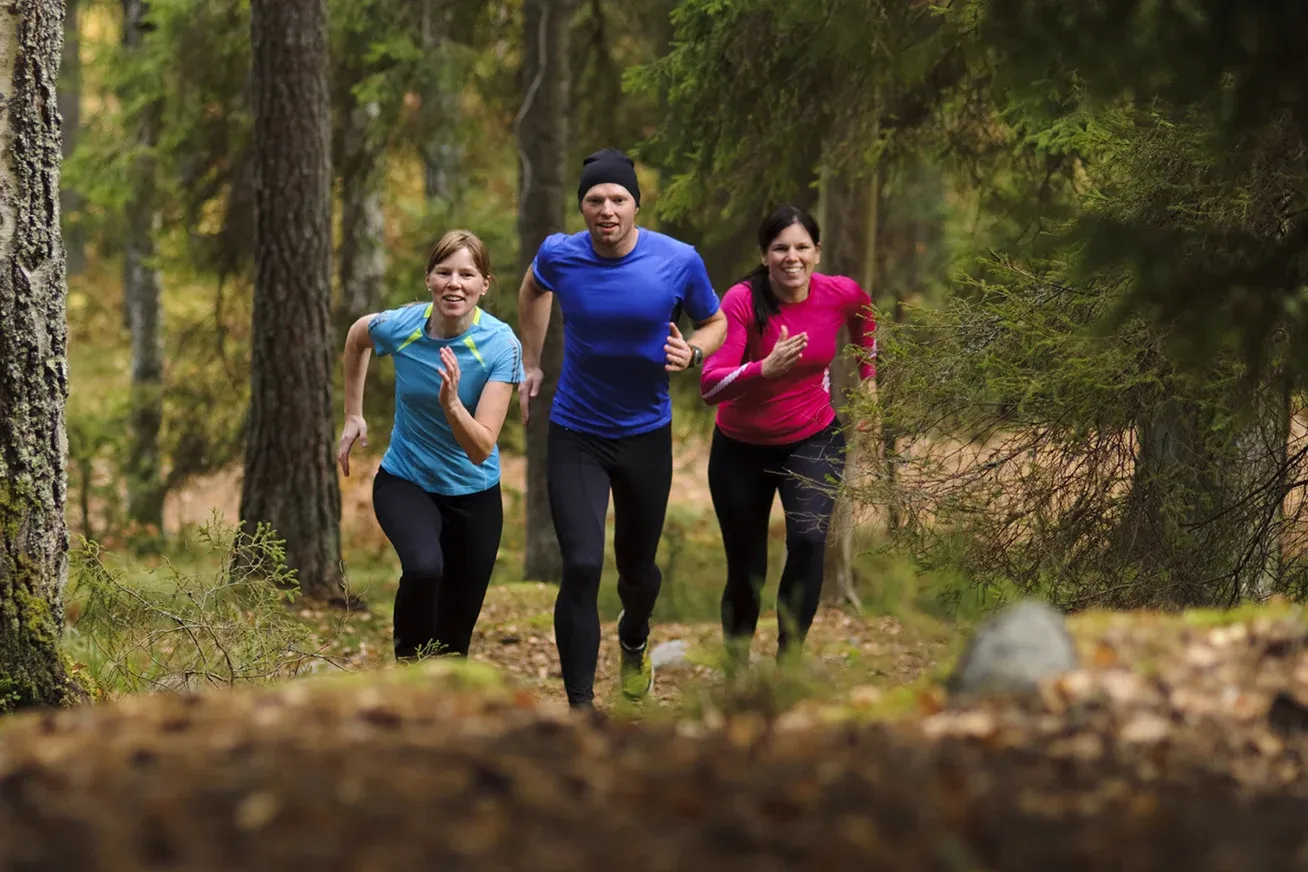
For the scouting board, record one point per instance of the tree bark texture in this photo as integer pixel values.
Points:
(543, 148)
(141, 299)
(1262, 467)
(290, 478)
(33, 361)
(1205, 515)
(439, 113)
(849, 227)
(70, 109)
(363, 253)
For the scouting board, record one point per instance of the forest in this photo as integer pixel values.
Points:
(1083, 230)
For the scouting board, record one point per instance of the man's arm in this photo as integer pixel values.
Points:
(709, 333)
(700, 300)
(534, 304)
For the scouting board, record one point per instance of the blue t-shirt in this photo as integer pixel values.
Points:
(423, 449)
(615, 324)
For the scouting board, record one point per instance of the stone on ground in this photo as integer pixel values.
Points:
(1014, 651)
(670, 655)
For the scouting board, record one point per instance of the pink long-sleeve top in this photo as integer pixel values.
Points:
(779, 411)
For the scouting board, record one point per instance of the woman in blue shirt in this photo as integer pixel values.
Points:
(437, 493)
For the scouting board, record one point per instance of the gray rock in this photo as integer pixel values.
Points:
(1012, 652)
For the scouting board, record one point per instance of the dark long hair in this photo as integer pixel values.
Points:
(766, 303)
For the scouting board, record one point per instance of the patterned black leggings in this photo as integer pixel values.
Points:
(743, 480)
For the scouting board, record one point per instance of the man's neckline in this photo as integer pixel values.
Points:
(640, 234)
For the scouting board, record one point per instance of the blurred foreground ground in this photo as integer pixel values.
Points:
(1180, 745)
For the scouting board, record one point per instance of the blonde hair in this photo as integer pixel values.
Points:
(452, 241)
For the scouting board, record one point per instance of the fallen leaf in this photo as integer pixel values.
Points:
(1104, 655)
(1145, 729)
(256, 810)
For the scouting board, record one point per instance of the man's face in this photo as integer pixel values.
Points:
(610, 213)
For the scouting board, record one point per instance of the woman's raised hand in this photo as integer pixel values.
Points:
(449, 379)
(785, 354)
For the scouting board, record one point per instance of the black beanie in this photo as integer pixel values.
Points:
(608, 165)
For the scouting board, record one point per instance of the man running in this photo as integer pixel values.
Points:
(619, 287)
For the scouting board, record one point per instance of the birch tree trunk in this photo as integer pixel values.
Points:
(141, 299)
(33, 362)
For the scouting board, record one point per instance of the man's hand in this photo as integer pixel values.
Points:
(528, 390)
(677, 350)
(355, 429)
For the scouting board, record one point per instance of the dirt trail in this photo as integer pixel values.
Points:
(515, 635)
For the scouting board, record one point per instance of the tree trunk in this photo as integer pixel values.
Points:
(141, 300)
(1154, 534)
(849, 226)
(70, 109)
(1205, 509)
(909, 231)
(1261, 467)
(439, 113)
(543, 146)
(889, 435)
(33, 362)
(363, 253)
(290, 476)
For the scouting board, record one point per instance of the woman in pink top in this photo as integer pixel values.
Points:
(776, 428)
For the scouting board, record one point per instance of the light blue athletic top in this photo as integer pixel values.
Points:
(423, 449)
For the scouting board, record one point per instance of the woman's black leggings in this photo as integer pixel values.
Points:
(447, 548)
(743, 479)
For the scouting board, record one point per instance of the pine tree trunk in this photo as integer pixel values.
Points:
(290, 478)
(363, 253)
(141, 299)
(1261, 467)
(1154, 535)
(1206, 504)
(33, 362)
(70, 108)
(543, 147)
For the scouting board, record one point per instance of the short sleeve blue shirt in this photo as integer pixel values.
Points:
(615, 324)
(423, 449)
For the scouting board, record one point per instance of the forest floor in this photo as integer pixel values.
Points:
(1179, 744)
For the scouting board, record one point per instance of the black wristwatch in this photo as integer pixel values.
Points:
(696, 355)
